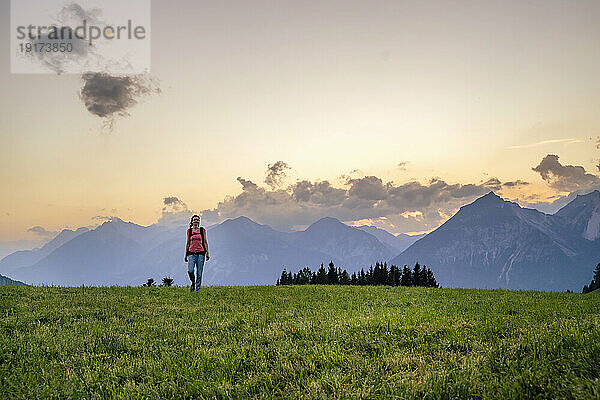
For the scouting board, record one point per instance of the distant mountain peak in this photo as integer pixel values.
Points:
(328, 222)
(242, 220)
(489, 200)
(491, 196)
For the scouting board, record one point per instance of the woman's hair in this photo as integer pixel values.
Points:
(194, 216)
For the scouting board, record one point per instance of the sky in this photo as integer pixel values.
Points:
(387, 113)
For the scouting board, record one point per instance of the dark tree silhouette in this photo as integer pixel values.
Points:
(149, 282)
(332, 275)
(283, 280)
(416, 275)
(379, 274)
(595, 283)
(321, 278)
(344, 278)
(166, 281)
(406, 279)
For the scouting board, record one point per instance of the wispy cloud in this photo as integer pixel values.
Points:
(545, 142)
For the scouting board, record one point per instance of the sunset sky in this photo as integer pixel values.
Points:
(392, 113)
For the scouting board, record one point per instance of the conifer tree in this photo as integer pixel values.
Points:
(416, 275)
(321, 278)
(332, 276)
(406, 279)
(344, 278)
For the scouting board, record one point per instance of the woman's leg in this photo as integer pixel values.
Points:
(191, 263)
(199, 271)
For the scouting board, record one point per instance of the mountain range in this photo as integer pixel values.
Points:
(493, 243)
(243, 252)
(490, 243)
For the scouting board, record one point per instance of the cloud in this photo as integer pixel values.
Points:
(108, 96)
(60, 61)
(103, 218)
(493, 183)
(63, 34)
(74, 13)
(598, 142)
(173, 204)
(402, 165)
(545, 142)
(104, 94)
(408, 207)
(174, 212)
(276, 174)
(41, 231)
(516, 183)
(566, 178)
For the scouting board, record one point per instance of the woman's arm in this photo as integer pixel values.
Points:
(187, 245)
(205, 243)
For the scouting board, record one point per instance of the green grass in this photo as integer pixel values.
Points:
(297, 341)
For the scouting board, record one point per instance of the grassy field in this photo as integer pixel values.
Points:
(297, 341)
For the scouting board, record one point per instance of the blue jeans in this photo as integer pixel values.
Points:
(198, 261)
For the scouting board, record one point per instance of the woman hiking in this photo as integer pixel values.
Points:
(196, 251)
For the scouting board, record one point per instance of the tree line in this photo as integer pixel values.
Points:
(595, 283)
(380, 274)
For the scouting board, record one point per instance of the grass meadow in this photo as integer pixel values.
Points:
(297, 342)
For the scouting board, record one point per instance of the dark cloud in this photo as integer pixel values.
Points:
(566, 178)
(493, 183)
(402, 165)
(516, 183)
(317, 193)
(60, 61)
(412, 206)
(108, 96)
(74, 13)
(63, 34)
(368, 188)
(41, 231)
(173, 204)
(276, 173)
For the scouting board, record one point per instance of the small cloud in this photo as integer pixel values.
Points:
(402, 165)
(545, 142)
(493, 183)
(73, 13)
(41, 231)
(173, 204)
(516, 183)
(566, 178)
(110, 96)
(103, 218)
(276, 174)
(174, 212)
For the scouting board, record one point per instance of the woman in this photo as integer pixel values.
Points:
(196, 251)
